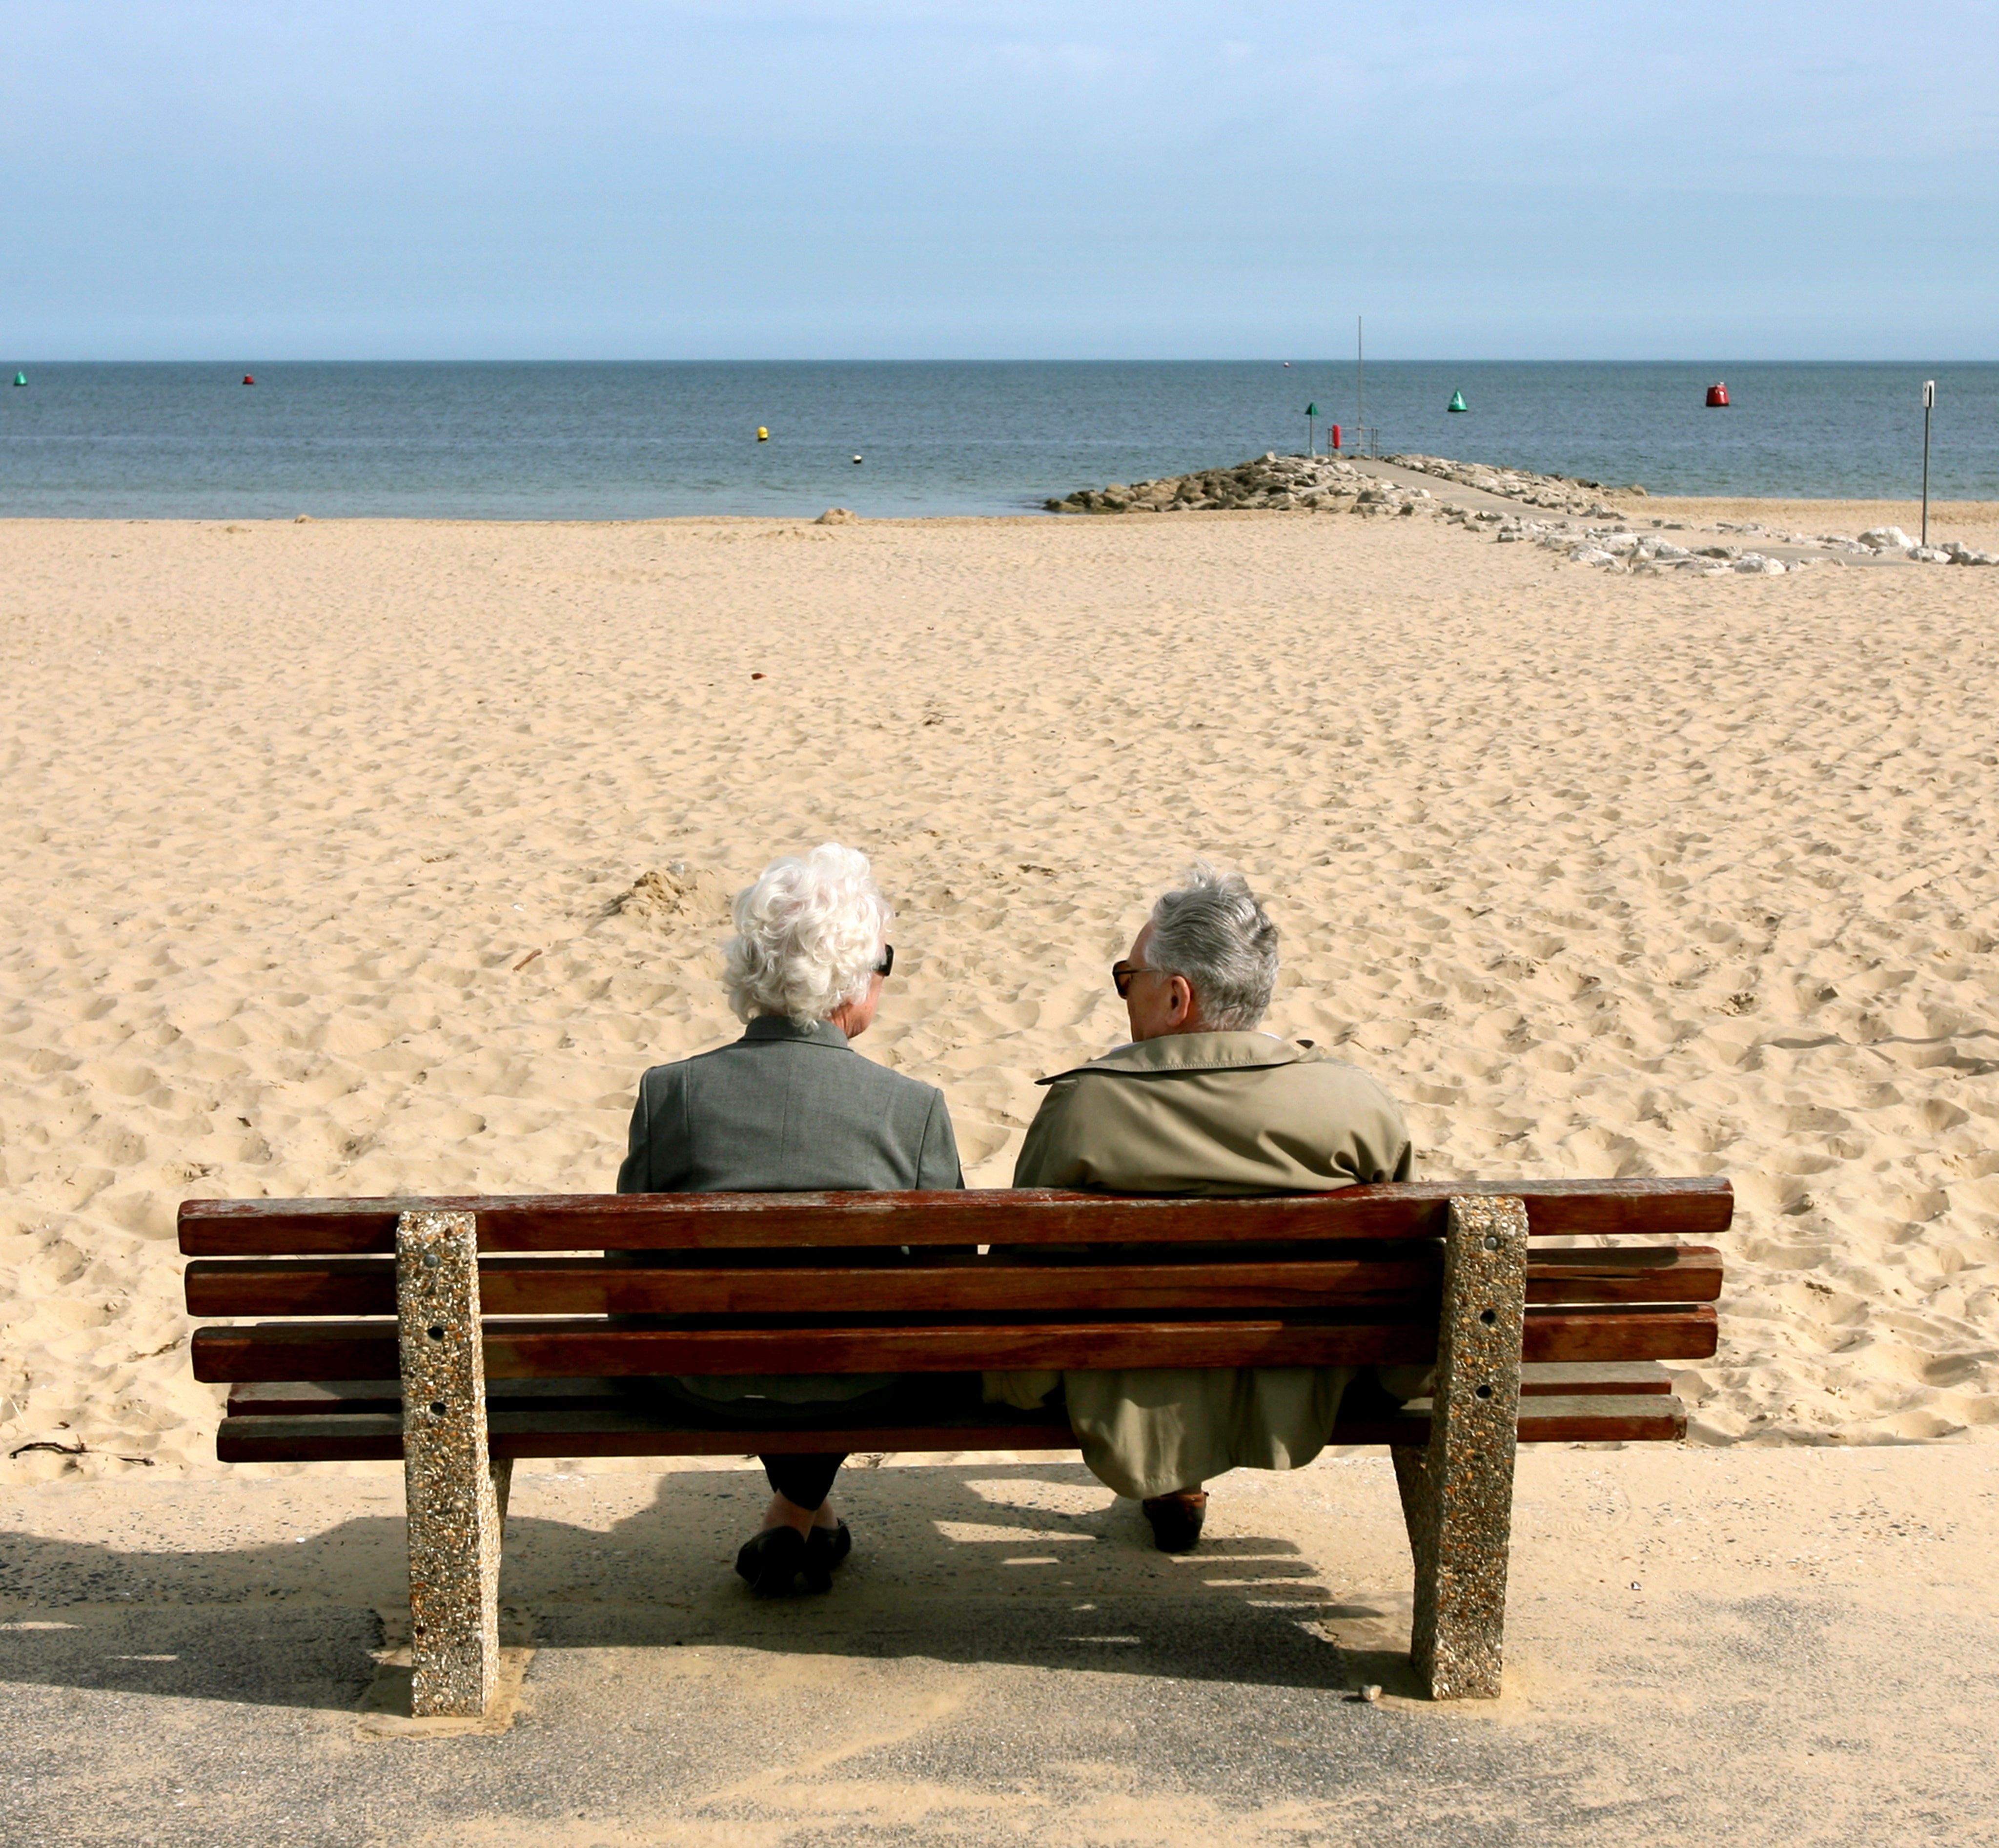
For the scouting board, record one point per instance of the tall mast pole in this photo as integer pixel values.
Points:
(1360, 379)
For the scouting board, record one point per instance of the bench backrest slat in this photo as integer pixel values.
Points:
(529, 1286)
(300, 1350)
(1669, 1208)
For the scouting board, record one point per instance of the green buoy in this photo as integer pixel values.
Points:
(20, 378)
(1457, 402)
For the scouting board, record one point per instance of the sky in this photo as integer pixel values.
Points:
(956, 179)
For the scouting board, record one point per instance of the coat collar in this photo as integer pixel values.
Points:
(1195, 1053)
(777, 1026)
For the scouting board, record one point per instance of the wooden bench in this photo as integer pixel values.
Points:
(444, 1331)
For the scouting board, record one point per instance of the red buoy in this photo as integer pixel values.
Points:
(1717, 397)
(247, 379)
(1335, 436)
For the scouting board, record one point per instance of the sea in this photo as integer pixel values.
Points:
(633, 440)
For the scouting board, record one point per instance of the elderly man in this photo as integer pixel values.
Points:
(1201, 1102)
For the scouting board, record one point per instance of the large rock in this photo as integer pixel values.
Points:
(1886, 539)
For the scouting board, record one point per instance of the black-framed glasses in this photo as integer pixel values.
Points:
(1121, 975)
(887, 965)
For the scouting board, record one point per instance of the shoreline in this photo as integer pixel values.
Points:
(1982, 514)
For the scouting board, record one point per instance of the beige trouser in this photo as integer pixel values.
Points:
(1148, 1431)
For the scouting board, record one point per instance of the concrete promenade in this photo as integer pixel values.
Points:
(1746, 1646)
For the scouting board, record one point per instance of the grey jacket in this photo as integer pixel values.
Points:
(786, 1109)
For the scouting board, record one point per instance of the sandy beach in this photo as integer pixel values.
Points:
(374, 857)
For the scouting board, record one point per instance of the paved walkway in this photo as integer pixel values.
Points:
(1742, 1647)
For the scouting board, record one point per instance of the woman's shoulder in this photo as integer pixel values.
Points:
(884, 1080)
(673, 1071)
(673, 1077)
(857, 1084)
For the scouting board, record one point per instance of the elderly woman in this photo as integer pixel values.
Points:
(791, 1106)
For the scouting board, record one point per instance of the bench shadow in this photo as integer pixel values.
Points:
(970, 1563)
(981, 1563)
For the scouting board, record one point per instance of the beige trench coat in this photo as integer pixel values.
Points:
(1211, 1114)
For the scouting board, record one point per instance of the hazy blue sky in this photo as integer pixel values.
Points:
(946, 179)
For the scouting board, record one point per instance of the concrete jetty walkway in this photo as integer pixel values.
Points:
(1752, 1646)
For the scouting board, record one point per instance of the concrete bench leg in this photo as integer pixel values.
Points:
(456, 1494)
(1457, 1491)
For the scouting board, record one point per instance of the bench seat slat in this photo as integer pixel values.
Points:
(1671, 1208)
(545, 1432)
(519, 1350)
(527, 1286)
(307, 1398)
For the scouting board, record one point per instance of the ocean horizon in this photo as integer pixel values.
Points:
(633, 439)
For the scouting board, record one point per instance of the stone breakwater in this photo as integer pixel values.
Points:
(1329, 484)
(1572, 516)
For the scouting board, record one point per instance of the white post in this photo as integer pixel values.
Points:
(1929, 405)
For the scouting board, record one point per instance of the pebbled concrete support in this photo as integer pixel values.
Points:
(1457, 1492)
(450, 1483)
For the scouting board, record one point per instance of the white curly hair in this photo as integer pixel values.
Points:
(808, 935)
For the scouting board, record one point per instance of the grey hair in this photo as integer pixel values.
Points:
(1211, 930)
(809, 934)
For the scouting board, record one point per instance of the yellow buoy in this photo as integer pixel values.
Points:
(763, 436)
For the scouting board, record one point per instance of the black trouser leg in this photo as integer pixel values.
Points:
(804, 1480)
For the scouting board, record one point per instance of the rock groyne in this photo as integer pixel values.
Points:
(1570, 514)
(1329, 484)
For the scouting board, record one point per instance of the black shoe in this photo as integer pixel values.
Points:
(771, 1561)
(824, 1548)
(1176, 1519)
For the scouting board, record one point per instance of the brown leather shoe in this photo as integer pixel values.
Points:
(1176, 1519)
